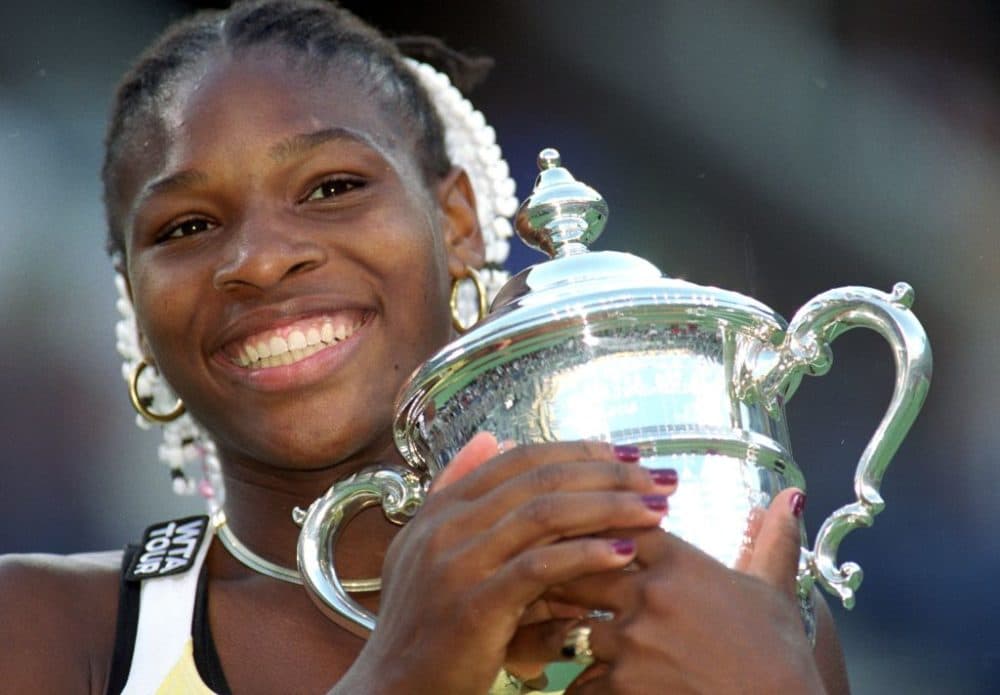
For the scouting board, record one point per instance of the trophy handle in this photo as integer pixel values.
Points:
(399, 490)
(775, 372)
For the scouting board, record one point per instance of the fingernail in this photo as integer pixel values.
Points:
(663, 476)
(798, 503)
(626, 453)
(658, 503)
(623, 546)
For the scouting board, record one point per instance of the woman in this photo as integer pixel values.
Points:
(287, 224)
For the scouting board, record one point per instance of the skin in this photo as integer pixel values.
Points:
(237, 224)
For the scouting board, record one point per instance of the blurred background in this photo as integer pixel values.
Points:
(775, 148)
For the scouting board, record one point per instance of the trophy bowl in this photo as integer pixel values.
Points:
(602, 346)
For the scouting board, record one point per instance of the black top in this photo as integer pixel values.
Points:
(206, 659)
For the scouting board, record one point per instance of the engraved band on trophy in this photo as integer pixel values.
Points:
(600, 345)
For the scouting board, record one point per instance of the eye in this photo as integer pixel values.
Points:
(184, 228)
(336, 186)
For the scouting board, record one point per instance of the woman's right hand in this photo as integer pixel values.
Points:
(498, 530)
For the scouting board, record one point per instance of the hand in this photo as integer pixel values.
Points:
(684, 623)
(495, 533)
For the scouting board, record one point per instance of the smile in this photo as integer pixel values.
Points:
(295, 342)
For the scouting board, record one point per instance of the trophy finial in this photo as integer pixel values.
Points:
(562, 216)
(549, 159)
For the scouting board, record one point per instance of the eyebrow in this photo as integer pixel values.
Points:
(187, 179)
(289, 147)
(304, 142)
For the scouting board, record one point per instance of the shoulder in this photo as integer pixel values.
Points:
(57, 620)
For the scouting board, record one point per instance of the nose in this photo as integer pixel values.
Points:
(262, 252)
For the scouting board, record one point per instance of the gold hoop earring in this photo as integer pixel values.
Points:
(142, 408)
(456, 317)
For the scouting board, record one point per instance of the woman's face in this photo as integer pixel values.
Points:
(288, 267)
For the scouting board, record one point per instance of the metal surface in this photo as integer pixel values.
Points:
(400, 492)
(262, 565)
(562, 216)
(770, 374)
(602, 346)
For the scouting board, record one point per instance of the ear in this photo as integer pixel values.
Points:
(462, 236)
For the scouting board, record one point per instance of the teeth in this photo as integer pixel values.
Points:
(278, 346)
(297, 345)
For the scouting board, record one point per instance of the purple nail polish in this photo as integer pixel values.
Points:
(798, 503)
(623, 546)
(663, 476)
(626, 453)
(658, 503)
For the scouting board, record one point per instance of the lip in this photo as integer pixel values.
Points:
(307, 371)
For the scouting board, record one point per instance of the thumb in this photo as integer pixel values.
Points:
(776, 547)
(477, 451)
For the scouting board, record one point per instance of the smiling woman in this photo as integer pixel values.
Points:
(309, 213)
(287, 223)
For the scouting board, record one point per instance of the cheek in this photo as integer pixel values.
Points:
(412, 253)
(163, 308)
(423, 273)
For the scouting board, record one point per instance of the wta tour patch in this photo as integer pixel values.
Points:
(168, 548)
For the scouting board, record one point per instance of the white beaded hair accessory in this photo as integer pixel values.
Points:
(470, 143)
(186, 446)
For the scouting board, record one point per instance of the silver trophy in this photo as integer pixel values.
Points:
(602, 346)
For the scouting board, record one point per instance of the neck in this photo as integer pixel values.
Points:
(259, 504)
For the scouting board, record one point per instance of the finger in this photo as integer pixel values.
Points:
(514, 462)
(547, 518)
(523, 513)
(476, 452)
(655, 546)
(533, 646)
(523, 580)
(608, 591)
(775, 557)
(533, 490)
(656, 551)
(542, 611)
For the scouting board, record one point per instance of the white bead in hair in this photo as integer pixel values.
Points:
(185, 443)
(471, 144)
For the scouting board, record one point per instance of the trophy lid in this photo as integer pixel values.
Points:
(576, 291)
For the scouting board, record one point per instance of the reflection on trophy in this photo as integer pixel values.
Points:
(600, 345)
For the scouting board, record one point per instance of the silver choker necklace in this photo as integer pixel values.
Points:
(252, 560)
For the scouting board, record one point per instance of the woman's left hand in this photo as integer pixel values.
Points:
(685, 623)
